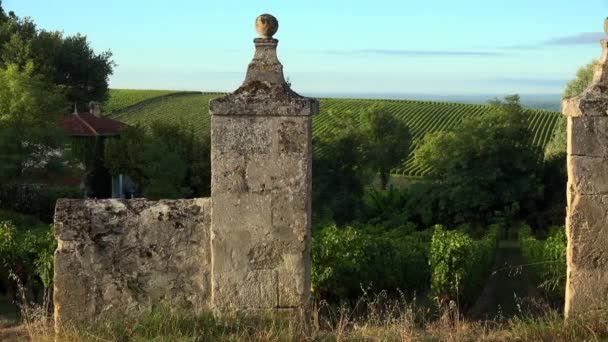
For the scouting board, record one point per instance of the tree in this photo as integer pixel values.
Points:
(165, 160)
(341, 171)
(583, 79)
(68, 62)
(389, 141)
(484, 165)
(30, 110)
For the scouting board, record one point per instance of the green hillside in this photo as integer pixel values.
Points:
(421, 117)
(122, 99)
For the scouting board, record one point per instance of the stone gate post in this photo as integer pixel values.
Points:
(261, 187)
(587, 201)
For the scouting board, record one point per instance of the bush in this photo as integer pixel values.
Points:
(546, 259)
(26, 252)
(347, 259)
(35, 200)
(459, 264)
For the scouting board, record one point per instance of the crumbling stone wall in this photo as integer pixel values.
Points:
(245, 248)
(587, 212)
(114, 256)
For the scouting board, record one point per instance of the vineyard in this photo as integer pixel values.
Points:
(422, 117)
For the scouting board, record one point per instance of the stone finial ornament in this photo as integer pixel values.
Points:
(266, 25)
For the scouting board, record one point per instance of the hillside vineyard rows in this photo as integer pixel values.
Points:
(191, 108)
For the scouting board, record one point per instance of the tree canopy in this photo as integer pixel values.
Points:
(583, 79)
(165, 160)
(66, 61)
(388, 141)
(485, 164)
(30, 110)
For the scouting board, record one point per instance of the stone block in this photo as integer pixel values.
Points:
(252, 290)
(587, 175)
(229, 174)
(588, 136)
(276, 174)
(587, 223)
(586, 291)
(292, 136)
(242, 135)
(292, 289)
(241, 211)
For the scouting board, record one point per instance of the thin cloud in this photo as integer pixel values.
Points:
(579, 39)
(585, 38)
(414, 53)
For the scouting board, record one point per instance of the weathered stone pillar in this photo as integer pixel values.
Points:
(587, 212)
(261, 187)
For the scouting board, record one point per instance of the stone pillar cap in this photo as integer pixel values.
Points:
(264, 91)
(594, 100)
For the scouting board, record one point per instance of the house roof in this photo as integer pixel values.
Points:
(91, 125)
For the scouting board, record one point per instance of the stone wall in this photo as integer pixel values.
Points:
(114, 256)
(245, 248)
(587, 212)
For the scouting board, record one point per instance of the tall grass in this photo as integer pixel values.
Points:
(372, 318)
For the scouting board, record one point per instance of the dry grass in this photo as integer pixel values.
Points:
(376, 318)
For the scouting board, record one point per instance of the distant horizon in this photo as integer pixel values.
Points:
(440, 47)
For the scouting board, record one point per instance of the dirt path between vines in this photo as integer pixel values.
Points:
(508, 290)
(9, 328)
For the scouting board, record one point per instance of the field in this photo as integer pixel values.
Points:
(422, 117)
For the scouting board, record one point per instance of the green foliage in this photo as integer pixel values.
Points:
(191, 110)
(349, 259)
(30, 110)
(459, 264)
(167, 160)
(485, 165)
(583, 79)
(34, 200)
(388, 140)
(342, 172)
(26, 251)
(122, 99)
(68, 62)
(421, 117)
(546, 259)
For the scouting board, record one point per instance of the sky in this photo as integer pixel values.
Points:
(441, 47)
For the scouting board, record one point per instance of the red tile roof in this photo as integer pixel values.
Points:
(89, 125)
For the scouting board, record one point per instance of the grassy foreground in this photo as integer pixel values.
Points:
(370, 320)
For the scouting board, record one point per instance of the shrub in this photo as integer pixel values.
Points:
(546, 259)
(35, 200)
(349, 258)
(26, 252)
(460, 264)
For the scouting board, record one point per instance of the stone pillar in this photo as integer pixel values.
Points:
(587, 212)
(261, 187)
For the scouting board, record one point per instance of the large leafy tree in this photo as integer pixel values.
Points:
(30, 110)
(68, 62)
(165, 160)
(485, 164)
(388, 140)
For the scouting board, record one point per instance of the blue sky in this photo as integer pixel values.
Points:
(441, 47)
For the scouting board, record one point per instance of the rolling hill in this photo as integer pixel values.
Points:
(422, 117)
